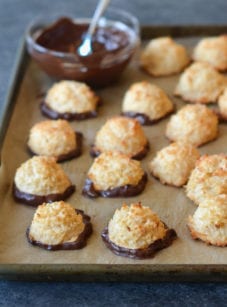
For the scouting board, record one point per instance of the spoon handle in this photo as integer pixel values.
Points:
(98, 12)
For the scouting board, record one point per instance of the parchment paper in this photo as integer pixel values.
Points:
(170, 203)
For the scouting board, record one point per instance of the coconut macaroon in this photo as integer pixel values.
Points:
(55, 138)
(222, 104)
(40, 179)
(121, 134)
(113, 174)
(208, 179)
(212, 50)
(70, 100)
(146, 102)
(200, 83)
(136, 232)
(173, 164)
(163, 56)
(195, 124)
(209, 222)
(58, 226)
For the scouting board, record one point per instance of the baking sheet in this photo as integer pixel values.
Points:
(17, 256)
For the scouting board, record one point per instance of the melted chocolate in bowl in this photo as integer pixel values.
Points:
(102, 67)
(140, 253)
(124, 191)
(78, 244)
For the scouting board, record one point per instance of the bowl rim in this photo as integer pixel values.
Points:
(40, 22)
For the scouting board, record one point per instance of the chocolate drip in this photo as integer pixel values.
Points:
(70, 155)
(140, 253)
(78, 244)
(143, 119)
(94, 152)
(124, 191)
(50, 113)
(35, 200)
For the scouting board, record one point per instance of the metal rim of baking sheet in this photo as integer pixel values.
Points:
(99, 272)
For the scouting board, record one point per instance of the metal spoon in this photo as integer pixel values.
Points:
(86, 47)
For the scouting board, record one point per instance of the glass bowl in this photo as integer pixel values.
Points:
(99, 69)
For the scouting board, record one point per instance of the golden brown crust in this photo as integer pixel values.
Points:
(71, 97)
(52, 138)
(209, 222)
(148, 99)
(222, 104)
(163, 56)
(173, 164)
(41, 175)
(135, 226)
(200, 83)
(195, 124)
(208, 179)
(212, 50)
(113, 169)
(56, 223)
(121, 134)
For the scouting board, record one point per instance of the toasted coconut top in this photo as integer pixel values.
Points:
(195, 124)
(71, 96)
(208, 179)
(200, 83)
(41, 175)
(212, 50)
(121, 134)
(52, 138)
(174, 163)
(146, 98)
(56, 223)
(113, 169)
(135, 226)
(163, 56)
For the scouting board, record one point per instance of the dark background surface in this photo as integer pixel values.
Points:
(15, 15)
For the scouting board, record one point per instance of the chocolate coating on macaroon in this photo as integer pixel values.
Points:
(121, 134)
(146, 102)
(47, 111)
(113, 174)
(78, 244)
(94, 152)
(123, 191)
(135, 231)
(35, 200)
(143, 253)
(58, 226)
(75, 153)
(40, 179)
(70, 100)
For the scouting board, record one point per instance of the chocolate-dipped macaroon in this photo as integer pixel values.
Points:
(55, 138)
(121, 134)
(136, 232)
(163, 56)
(195, 124)
(113, 174)
(200, 83)
(209, 222)
(212, 50)
(208, 179)
(40, 179)
(173, 164)
(58, 226)
(70, 100)
(146, 102)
